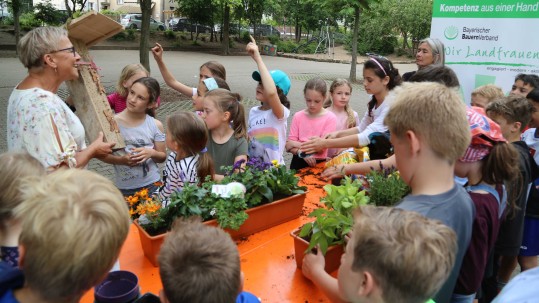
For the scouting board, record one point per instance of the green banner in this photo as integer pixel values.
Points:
(485, 9)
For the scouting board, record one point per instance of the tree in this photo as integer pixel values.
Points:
(16, 7)
(412, 18)
(357, 7)
(199, 11)
(71, 6)
(47, 13)
(146, 9)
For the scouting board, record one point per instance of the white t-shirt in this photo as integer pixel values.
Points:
(529, 136)
(267, 134)
(374, 122)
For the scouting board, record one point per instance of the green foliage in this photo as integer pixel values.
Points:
(263, 182)
(286, 46)
(28, 21)
(386, 187)
(126, 35)
(274, 39)
(47, 13)
(169, 34)
(336, 220)
(245, 37)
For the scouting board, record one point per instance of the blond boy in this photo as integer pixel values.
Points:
(74, 223)
(430, 131)
(390, 258)
(485, 94)
(200, 263)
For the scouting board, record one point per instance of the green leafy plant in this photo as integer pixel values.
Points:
(263, 182)
(386, 187)
(169, 34)
(336, 220)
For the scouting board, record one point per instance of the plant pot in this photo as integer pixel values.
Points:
(267, 216)
(332, 257)
(150, 244)
(260, 218)
(118, 287)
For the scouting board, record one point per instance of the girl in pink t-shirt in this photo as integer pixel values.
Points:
(338, 103)
(314, 121)
(130, 73)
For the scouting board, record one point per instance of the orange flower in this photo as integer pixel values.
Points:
(158, 183)
(143, 194)
(132, 200)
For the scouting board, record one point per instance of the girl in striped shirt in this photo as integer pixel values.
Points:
(188, 161)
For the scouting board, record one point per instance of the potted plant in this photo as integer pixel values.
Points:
(382, 188)
(239, 212)
(331, 224)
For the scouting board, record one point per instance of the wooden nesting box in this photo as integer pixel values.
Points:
(88, 94)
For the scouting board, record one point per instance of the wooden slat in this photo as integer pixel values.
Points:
(92, 28)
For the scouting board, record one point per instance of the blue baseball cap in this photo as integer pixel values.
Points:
(279, 77)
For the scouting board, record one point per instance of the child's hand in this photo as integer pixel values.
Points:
(313, 265)
(335, 171)
(314, 145)
(252, 48)
(310, 160)
(141, 154)
(157, 52)
(333, 135)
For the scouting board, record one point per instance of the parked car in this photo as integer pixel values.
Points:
(186, 25)
(134, 21)
(265, 30)
(233, 28)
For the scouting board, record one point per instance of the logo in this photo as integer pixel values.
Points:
(451, 32)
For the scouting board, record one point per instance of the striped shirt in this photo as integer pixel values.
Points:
(177, 174)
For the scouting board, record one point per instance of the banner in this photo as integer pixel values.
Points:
(488, 41)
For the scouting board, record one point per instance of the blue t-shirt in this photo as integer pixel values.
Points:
(456, 210)
(246, 297)
(8, 297)
(10, 278)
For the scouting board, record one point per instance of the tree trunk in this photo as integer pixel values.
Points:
(68, 9)
(354, 44)
(16, 20)
(225, 29)
(146, 9)
(298, 30)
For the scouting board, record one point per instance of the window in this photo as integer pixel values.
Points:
(119, 1)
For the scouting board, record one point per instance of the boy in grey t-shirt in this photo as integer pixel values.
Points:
(429, 132)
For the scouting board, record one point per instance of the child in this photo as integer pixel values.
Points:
(204, 87)
(74, 223)
(188, 161)
(315, 121)
(14, 168)
(144, 139)
(488, 164)
(200, 263)
(207, 70)
(225, 118)
(340, 91)
(379, 78)
(393, 256)
(268, 122)
(513, 114)
(485, 94)
(130, 74)
(524, 84)
(422, 120)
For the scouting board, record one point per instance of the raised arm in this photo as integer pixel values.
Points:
(157, 52)
(270, 91)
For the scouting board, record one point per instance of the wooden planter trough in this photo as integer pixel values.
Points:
(260, 218)
(332, 257)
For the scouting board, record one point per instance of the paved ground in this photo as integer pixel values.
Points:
(185, 66)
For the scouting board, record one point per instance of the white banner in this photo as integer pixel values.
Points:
(488, 41)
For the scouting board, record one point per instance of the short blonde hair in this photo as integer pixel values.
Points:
(435, 113)
(38, 42)
(14, 168)
(199, 263)
(74, 223)
(489, 91)
(127, 72)
(409, 255)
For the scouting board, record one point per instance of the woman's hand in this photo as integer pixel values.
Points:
(335, 171)
(157, 52)
(101, 148)
(141, 154)
(252, 48)
(314, 145)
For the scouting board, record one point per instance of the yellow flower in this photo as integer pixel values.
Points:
(143, 193)
(275, 163)
(132, 200)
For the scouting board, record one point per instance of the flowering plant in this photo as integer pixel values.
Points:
(386, 187)
(263, 182)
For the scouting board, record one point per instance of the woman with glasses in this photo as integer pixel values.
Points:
(429, 52)
(38, 121)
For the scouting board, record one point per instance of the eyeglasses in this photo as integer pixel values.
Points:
(71, 49)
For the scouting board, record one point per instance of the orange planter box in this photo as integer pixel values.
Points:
(260, 218)
(332, 257)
